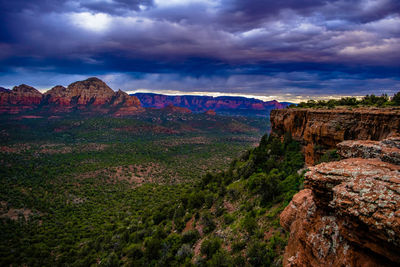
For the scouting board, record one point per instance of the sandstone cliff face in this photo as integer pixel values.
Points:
(348, 214)
(322, 129)
(92, 91)
(125, 104)
(89, 96)
(19, 99)
(58, 96)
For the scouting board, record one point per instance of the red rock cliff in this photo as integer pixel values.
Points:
(19, 99)
(348, 214)
(322, 129)
(91, 91)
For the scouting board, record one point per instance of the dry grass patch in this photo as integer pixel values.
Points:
(15, 214)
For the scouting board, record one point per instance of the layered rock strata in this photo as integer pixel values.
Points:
(89, 96)
(20, 98)
(349, 212)
(322, 129)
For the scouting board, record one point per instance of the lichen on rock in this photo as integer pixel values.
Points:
(356, 219)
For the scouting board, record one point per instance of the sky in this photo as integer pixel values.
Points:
(289, 50)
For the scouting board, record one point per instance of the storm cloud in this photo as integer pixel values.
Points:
(258, 47)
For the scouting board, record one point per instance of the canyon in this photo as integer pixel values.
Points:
(348, 212)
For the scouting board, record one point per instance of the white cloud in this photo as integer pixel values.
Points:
(97, 22)
(385, 25)
(387, 46)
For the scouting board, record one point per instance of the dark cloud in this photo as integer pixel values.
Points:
(117, 6)
(242, 14)
(245, 14)
(16, 6)
(106, 6)
(229, 45)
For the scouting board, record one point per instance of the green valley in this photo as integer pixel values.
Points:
(156, 189)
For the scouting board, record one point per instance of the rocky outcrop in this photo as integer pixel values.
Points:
(20, 98)
(210, 112)
(92, 91)
(58, 96)
(89, 96)
(125, 104)
(322, 129)
(348, 214)
(174, 109)
(223, 104)
(387, 150)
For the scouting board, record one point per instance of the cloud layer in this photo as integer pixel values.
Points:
(261, 47)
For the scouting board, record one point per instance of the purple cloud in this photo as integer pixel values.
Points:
(230, 45)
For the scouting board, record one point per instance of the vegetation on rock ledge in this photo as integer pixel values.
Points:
(367, 101)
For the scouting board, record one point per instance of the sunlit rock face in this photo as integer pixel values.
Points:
(20, 98)
(348, 214)
(92, 91)
(89, 96)
(125, 104)
(319, 130)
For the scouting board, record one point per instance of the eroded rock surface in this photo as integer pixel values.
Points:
(349, 213)
(322, 129)
(388, 150)
(20, 98)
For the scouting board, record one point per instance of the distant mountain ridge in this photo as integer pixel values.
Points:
(227, 105)
(89, 96)
(93, 96)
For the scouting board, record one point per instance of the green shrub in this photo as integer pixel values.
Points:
(152, 248)
(228, 218)
(190, 236)
(185, 251)
(220, 259)
(258, 254)
(134, 251)
(208, 222)
(238, 246)
(396, 99)
(210, 246)
(249, 223)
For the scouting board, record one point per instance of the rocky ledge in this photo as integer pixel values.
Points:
(388, 150)
(349, 212)
(320, 130)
